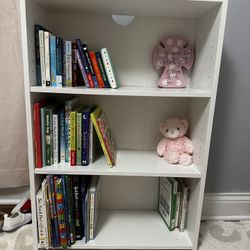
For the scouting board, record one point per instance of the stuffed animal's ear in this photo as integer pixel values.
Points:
(161, 126)
(185, 122)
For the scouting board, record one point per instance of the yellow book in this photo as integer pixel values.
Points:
(94, 117)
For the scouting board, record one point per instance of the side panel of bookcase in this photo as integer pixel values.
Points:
(218, 21)
(30, 14)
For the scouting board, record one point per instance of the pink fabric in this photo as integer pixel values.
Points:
(13, 142)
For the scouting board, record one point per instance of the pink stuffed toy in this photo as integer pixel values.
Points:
(175, 147)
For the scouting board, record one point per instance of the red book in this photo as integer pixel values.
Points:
(96, 69)
(37, 135)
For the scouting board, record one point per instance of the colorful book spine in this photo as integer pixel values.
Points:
(77, 206)
(55, 138)
(67, 66)
(52, 41)
(42, 58)
(73, 138)
(109, 68)
(62, 135)
(85, 63)
(37, 135)
(74, 64)
(70, 210)
(47, 57)
(91, 69)
(37, 50)
(48, 216)
(82, 69)
(102, 69)
(59, 61)
(94, 116)
(96, 69)
(78, 138)
(60, 212)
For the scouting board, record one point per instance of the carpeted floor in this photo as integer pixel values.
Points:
(214, 235)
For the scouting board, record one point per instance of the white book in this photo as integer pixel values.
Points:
(42, 58)
(55, 139)
(44, 186)
(109, 68)
(47, 57)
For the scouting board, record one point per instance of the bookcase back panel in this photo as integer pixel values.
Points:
(129, 193)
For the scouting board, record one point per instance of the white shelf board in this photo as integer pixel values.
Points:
(129, 229)
(125, 91)
(129, 163)
(160, 8)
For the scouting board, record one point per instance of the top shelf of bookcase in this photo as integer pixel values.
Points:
(125, 91)
(160, 8)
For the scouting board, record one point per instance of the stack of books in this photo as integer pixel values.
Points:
(69, 63)
(67, 210)
(173, 202)
(70, 133)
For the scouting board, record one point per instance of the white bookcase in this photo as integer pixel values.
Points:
(129, 201)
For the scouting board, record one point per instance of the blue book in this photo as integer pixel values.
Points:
(85, 134)
(52, 42)
(62, 134)
(102, 69)
(59, 65)
(86, 53)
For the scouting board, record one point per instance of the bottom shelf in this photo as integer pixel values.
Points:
(130, 229)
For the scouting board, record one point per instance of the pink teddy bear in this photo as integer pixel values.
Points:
(175, 147)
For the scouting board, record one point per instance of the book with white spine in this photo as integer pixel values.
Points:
(42, 58)
(47, 57)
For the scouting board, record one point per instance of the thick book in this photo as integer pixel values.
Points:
(91, 69)
(78, 206)
(167, 200)
(84, 62)
(60, 211)
(94, 116)
(102, 69)
(96, 69)
(47, 57)
(67, 63)
(59, 61)
(109, 68)
(52, 42)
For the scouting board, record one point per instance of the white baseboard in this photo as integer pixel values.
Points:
(226, 206)
(12, 196)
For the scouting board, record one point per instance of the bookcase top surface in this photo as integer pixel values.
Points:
(161, 8)
(129, 163)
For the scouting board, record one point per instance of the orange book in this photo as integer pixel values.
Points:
(96, 69)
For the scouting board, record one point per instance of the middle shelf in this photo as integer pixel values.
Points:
(129, 163)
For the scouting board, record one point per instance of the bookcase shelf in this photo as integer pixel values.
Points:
(129, 202)
(131, 229)
(129, 163)
(126, 91)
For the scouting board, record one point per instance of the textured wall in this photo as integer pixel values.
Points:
(229, 162)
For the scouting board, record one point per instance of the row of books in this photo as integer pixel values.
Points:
(67, 210)
(69, 63)
(71, 133)
(173, 202)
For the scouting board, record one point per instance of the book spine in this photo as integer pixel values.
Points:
(91, 142)
(74, 64)
(102, 69)
(73, 138)
(79, 139)
(174, 201)
(42, 58)
(85, 63)
(67, 64)
(184, 205)
(99, 134)
(82, 69)
(40, 220)
(77, 205)
(91, 215)
(91, 69)
(109, 68)
(71, 212)
(44, 187)
(38, 63)
(53, 60)
(47, 57)
(96, 69)
(48, 138)
(43, 136)
(86, 219)
(48, 216)
(67, 115)
(62, 136)
(55, 139)
(85, 138)
(37, 135)
(177, 211)
(59, 61)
